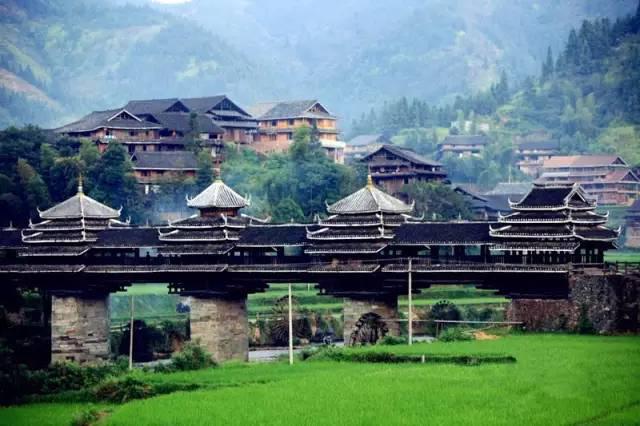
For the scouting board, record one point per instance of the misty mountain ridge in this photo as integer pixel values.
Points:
(59, 60)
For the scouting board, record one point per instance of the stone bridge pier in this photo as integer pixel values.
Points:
(356, 309)
(221, 325)
(80, 327)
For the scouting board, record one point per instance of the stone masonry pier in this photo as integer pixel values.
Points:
(606, 303)
(80, 328)
(385, 306)
(221, 326)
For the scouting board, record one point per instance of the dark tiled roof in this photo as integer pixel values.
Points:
(273, 235)
(202, 104)
(541, 196)
(292, 109)
(405, 154)
(596, 233)
(498, 203)
(465, 140)
(446, 233)
(132, 237)
(165, 160)
(150, 106)
(99, 119)
(181, 122)
(539, 145)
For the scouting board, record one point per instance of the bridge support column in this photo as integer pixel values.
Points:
(221, 326)
(80, 328)
(359, 324)
(602, 303)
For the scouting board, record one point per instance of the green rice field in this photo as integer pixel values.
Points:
(556, 379)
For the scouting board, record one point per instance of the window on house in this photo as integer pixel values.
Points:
(131, 133)
(291, 122)
(274, 123)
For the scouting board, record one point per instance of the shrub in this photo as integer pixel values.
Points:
(123, 390)
(392, 340)
(85, 417)
(192, 357)
(454, 334)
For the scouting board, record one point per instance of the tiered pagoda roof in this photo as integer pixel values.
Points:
(361, 223)
(216, 229)
(552, 218)
(67, 228)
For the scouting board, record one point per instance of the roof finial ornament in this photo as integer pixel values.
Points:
(369, 180)
(80, 189)
(217, 170)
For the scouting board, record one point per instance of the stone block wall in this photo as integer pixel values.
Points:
(384, 306)
(80, 328)
(607, 303)
(221, 326)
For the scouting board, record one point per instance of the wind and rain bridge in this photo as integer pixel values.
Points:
(363, 250)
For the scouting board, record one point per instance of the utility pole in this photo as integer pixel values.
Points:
(290, 328)
(131, 303)
(410, 297)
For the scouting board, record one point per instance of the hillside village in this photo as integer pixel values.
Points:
(163, 136)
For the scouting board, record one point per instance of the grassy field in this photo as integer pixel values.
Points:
(622, 256)
(557, 379)
(153, 303)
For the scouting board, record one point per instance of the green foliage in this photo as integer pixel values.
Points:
(438, 201)
(86, 417)
(204, 175)
(594, 368)
(122, 390)
(454, 334)
(192, 357)
(292, 185)
(16, 381)
(392, 340)
(33, 187)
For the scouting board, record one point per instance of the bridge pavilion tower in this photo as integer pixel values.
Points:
(357, 232)
(79, 308)
(219, 318)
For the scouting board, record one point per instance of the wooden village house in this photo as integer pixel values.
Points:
(392, 168)
(278, 121)
(608, 178)
(532, 154)
(462, 145)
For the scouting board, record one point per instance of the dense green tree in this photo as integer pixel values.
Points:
(438, 201)
(33, 187)
(115, 185)
(204, 175)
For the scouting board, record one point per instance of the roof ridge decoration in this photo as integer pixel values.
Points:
(218, 195)
(369, 199)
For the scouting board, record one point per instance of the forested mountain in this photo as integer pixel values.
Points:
(60, 59)
(586, 96)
